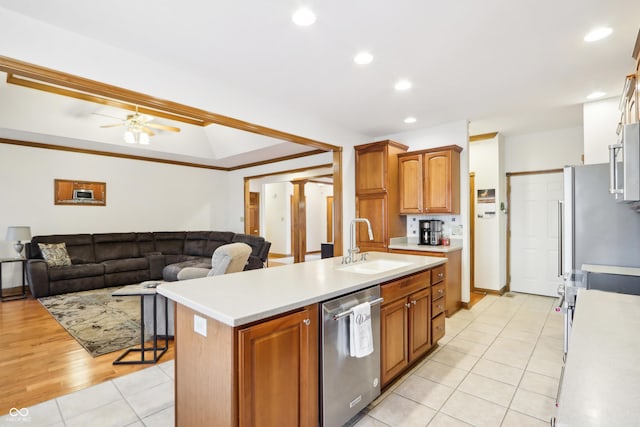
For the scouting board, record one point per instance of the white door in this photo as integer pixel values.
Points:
(534, 233)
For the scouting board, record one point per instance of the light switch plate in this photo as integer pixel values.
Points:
(200, 325)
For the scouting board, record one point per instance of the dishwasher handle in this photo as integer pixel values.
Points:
(348, 312)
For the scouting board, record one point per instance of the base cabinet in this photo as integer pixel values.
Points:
(405, 323)
(265, 374)
(275, 370)
(452, 276)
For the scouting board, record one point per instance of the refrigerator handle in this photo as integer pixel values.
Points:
(560, 237)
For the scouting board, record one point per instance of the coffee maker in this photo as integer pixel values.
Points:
(430, 231)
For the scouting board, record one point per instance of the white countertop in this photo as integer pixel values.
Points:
(601, 385)
(240, 298)
(611, 269)
(411, 244)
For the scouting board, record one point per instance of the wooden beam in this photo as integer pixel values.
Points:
(482, 137)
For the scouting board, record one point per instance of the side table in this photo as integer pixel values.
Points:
(16, 296)
(142, 291)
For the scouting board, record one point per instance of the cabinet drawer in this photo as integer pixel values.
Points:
(438, 274)
(437, 291)
(437, 328)
(437, 307)
(405, 286)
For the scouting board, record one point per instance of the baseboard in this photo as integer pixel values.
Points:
(498, 292)
(277, 255)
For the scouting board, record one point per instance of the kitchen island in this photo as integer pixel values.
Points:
(601, 382)
(247, 343)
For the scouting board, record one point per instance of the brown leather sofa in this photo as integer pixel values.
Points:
(116, 259)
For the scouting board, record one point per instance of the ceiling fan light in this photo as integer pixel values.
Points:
(129, 137)
(143, 138)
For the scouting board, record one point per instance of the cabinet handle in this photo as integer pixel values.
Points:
(413, 302)
(407, 305)
(306, 322)
(440, 275)
(440, 291)
(440, 306)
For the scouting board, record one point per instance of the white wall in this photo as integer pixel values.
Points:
(600, 120)
(276, 199)
(537, 151)
(486, 160)
(454, 133)
(316, 203)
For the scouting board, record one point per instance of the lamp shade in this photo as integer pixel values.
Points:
(18, 233)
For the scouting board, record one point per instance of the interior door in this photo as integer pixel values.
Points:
(254, 213)
(534, 232)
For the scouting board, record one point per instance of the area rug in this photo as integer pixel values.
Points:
(99, 322)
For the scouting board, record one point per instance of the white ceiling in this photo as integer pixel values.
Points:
(504, 65)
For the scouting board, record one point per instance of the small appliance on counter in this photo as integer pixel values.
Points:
(430, 232)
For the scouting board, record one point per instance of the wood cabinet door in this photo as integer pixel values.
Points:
(374, 208)
(410, 183)
(276, 364)
(419, 323)
(393, 339)
(371, 169)
(437, 182)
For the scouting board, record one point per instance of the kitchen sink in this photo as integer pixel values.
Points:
(374, 267)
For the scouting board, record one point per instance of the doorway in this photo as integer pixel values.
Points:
(254, 213)
(532, 231)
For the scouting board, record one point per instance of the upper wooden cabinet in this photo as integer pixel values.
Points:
(429, 181)
(377, 194)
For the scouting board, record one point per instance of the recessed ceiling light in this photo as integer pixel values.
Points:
(598, 34)
(303, 17)
(596, 95)
(410, 119)
(403, 85)
(363, 58)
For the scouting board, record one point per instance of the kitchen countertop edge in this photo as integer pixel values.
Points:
(217, 297)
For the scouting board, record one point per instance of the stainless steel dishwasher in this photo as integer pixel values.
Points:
(349, 384)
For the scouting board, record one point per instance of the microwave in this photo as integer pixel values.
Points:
(82, 194)
(624, 164)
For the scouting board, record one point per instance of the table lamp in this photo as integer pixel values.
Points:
(18, 233)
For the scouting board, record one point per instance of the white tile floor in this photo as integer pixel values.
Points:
(498, 365)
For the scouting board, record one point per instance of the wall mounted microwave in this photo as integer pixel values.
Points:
(625, 155)
(82, 194)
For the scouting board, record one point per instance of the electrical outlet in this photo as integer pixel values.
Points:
(200, 325)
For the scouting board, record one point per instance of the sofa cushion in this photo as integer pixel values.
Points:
(195, 243)
(55, 254)
(169, 242)
(256, 242)
(146, 243)
(115, 246)
(79, 246)
(75, 271)
(128, 264)
(170, 272)
(217, 239)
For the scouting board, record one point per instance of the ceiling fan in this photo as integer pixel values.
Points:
(138, 127)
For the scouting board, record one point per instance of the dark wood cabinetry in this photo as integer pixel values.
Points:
(265, 374)
(377, 194)
(405, 323)
(429, 181)
(449, 276)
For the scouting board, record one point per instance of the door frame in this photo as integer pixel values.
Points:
(472, 230)
(509, 175)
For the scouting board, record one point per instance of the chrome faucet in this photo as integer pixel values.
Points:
(353, 249)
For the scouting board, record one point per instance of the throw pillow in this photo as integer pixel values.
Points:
(55, 254)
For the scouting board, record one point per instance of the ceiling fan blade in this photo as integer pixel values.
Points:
(148, 131)
(163, 127)
(106, 115)
(112, 126)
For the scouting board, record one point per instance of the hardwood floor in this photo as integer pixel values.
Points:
(39, 360)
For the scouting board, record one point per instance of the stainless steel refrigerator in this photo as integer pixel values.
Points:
(597, 229)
